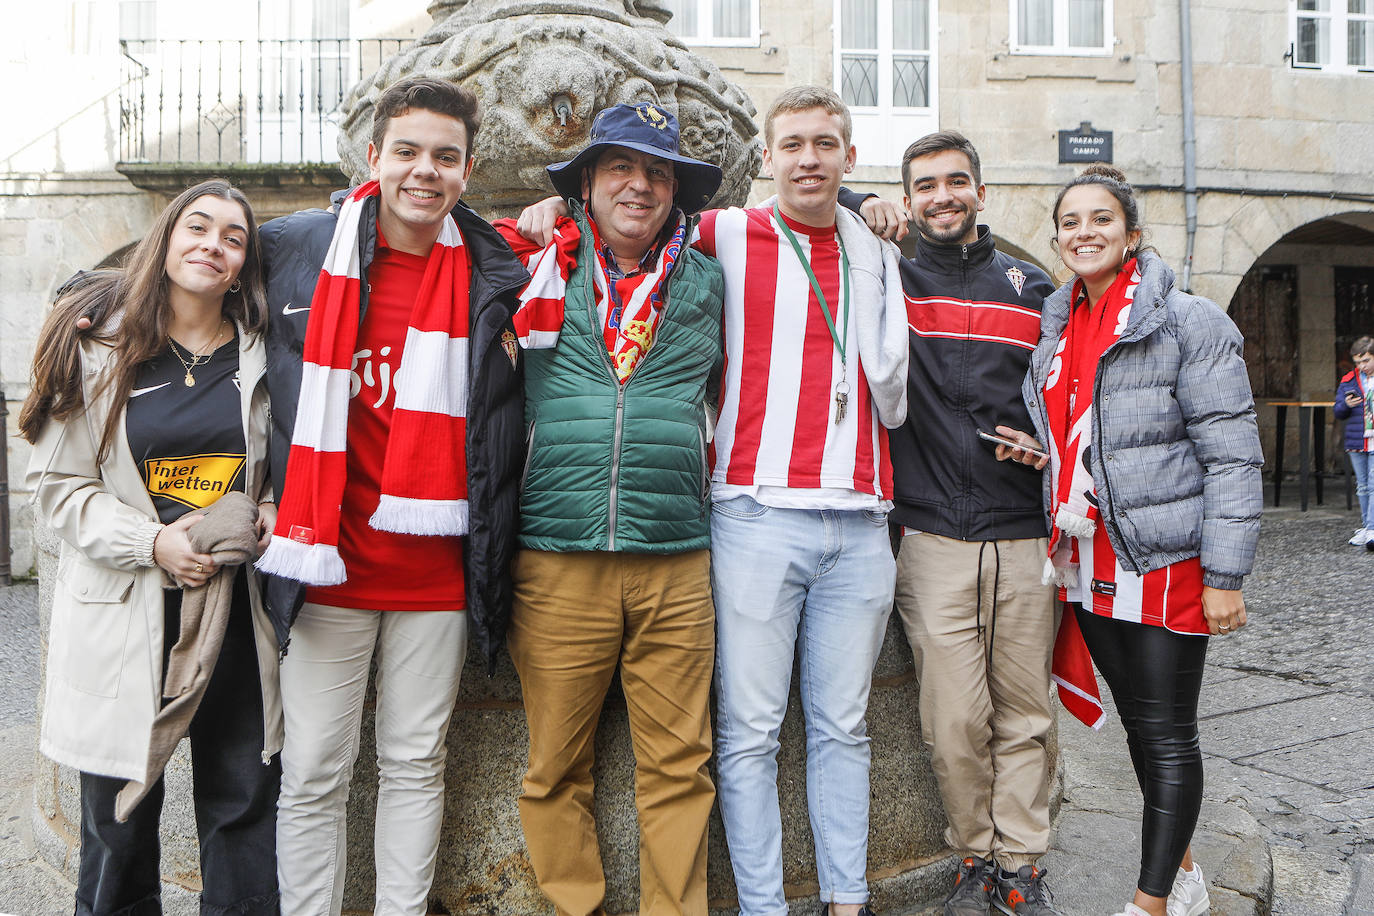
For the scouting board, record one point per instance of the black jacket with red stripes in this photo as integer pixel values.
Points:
(973, 316)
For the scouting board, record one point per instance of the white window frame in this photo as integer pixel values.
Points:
(1338, 19)
(883, 131)
(1061, 46)
(706, 24)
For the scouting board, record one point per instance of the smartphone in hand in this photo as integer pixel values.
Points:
(1002, 440)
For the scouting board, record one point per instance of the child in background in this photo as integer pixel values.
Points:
(1355, 405)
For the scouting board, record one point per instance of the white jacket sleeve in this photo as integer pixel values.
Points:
(74, 500)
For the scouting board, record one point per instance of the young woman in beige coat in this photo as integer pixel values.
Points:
(138, 423)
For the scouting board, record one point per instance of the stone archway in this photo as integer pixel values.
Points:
(1300, 302)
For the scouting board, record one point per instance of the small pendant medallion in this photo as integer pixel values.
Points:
(189, 380)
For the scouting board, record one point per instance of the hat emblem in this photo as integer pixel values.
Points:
(652, 116)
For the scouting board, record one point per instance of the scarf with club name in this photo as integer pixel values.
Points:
(1068, 405)
(628, 307)
(424, 471)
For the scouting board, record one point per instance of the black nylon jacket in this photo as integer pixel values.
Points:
(946, 480)
(294, 248)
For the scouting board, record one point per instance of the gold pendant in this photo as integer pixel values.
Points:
(189, 380)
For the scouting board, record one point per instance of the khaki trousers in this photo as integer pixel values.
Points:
(981, 628)
(576, 617)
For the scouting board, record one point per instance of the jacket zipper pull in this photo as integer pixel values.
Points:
(963, 252)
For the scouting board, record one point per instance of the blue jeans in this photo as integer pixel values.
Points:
(817, 583)
(1362, 463)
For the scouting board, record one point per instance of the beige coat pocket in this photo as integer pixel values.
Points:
(91, 617)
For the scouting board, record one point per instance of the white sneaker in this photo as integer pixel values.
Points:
(1132, 910)
(1189, 894)
(1361, 537)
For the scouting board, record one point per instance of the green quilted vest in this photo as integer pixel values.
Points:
(623, 467)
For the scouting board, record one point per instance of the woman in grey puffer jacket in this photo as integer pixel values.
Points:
(1154, 497)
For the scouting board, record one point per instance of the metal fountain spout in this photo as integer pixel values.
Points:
(562, 109)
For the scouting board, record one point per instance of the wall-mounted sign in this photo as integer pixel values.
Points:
(1085, 144)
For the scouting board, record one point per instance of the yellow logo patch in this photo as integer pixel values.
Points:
(652, 116)
(193, 480)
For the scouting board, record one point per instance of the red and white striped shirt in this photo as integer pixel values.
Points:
(777, 424)
(1170, 597)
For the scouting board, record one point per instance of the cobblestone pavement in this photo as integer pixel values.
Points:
(1288, 712)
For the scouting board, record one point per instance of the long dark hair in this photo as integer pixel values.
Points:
(131, 311)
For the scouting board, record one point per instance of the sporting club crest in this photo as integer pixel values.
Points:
(1017, 278)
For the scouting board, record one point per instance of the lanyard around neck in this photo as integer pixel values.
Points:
(841, 342)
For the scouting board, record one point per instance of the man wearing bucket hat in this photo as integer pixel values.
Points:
(622, 324)
(802, 569)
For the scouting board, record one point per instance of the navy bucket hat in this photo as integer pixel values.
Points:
(648, 129)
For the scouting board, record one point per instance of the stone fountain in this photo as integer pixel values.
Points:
(543, 69)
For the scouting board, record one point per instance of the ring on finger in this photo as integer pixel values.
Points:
(200, 568)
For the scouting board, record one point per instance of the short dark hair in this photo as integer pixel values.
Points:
(427, 94)
(939, 142)
(1362, 345)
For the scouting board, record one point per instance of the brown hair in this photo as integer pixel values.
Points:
(130, 310)
(805, 98)
(426, 94)
(939, 142)
(1362, 345)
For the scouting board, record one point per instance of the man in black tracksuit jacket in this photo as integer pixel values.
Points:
(980, 624)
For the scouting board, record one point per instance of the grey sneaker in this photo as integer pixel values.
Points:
(972, 893)
(864, 911)
(1024, 893)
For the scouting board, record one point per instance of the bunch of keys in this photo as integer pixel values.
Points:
(841, 400)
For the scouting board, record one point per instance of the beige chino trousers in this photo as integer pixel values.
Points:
(577, 616)
(981, 628)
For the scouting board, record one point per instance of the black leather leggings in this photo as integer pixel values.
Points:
(1155, 677)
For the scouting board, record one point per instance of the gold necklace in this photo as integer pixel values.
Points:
(197, 359)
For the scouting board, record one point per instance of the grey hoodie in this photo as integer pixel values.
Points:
(1175, 455)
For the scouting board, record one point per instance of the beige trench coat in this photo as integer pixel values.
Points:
(104, 668)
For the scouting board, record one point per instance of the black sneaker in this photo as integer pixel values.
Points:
(972, 893)
(1024, 893)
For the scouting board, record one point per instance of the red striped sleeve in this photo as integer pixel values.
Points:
(963, 319)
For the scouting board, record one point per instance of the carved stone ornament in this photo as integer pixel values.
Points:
(543, 69)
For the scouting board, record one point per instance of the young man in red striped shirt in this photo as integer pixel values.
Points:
(968, 572)
(801, 564)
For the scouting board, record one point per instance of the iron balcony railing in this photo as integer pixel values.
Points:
(259, 101)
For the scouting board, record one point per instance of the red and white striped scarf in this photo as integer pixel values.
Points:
(1068, 404)
(628, 308)
(424, 474)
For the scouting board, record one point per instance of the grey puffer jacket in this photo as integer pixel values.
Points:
(1176, 453)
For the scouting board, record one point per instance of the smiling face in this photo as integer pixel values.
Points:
(630, 195)
(1092, 236)
(808, 158)
(943, 197)
(206, 249)
(423, 166)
